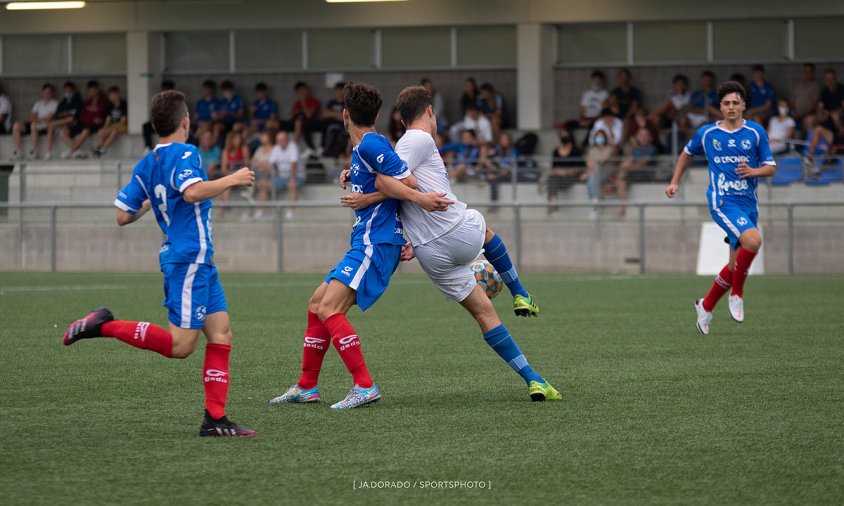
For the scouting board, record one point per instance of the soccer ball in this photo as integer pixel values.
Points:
(486, 276)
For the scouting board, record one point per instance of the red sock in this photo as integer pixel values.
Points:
(346, 341)
(317, 339)
(743, 260)
(215, 376)
(143, 335)
(723, 282)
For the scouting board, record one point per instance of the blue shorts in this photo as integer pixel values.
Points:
(367, 271)
(734, 220)
(190, 292)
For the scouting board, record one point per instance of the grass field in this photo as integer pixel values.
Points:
(654, 412)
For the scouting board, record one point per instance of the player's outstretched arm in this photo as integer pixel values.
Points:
(682, 164)
(125, 218)
(396, 189)
(205, 190)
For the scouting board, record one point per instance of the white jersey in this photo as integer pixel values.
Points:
(419, 152)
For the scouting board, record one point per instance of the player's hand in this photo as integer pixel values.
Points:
(345, 177)
(145, 207)
(671, 190)
(434, 201)
(355, 200)
(407, 253)
(243, 177)
(744, 171)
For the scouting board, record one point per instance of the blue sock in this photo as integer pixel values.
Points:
(503, 344)
(496, 252)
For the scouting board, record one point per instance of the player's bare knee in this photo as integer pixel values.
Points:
(326, 311)
(183, 348)
(221, 337)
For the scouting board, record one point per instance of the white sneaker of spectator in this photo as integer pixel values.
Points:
(288, 215)
(48, 155)
(30, 155)
(16, 156)
(79, 154)
(66, 154)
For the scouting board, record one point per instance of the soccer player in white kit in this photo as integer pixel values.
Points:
(445, 243)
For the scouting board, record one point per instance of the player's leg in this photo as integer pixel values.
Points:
(751, 242)
(495, 251)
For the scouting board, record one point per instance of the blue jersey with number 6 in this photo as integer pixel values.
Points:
(162, 176)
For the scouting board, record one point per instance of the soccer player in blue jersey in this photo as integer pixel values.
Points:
(171, 181)
(738, 154)
(363, 274)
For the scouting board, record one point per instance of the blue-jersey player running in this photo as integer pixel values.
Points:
(171, 181)
(738, 153)
(363, 274)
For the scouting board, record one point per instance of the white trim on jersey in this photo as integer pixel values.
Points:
(717, 210)
(758, 139)
(189, 182)
(187, 296)
(366, 240)
(364, 266)
(123, 207)
(143, 186)
(703, 138)
(203, 247)
(403, 175)
(370, 169)
(161, 146)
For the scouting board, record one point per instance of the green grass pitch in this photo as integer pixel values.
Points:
(654, 412)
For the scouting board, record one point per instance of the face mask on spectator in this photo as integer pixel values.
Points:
(68, 95)
(600, 140)
(783, 111)
(596, 86)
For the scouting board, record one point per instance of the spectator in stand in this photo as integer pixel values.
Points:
(805, 97)
(829, 124)
(832, 96)
(235, 156)
(476, 121)
(285, 161)
(467, 156)
(116, 122)
(263, 109)
(494, 107)
(566, 166)
(263, 168)
(763, 99)
(591, 103)
(675, 106)
(39, 118)
(67, 116)
(612, 126)
(5, 113)
(395, 129)
(597, 158)
(208, 111)
(625, 99)
(91, 120)
(334, 136)
(499, 164)
(470, 95)
(147, 129)
(232, 108)
(305, 117)
(210, 155)
(781, 129)
(704, 105)
(437, 103)
(642, 121)
(639, 156)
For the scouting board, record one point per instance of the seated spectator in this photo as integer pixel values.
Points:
(642, 121)
(39, 118)
(147, 129)
(781, 129)
(305, 116)
(235, 156)
(763, 100)
(116, 123)
(675, 106)
(67, 116)
(494, 107)
(612, 126)
(334, 136)
(591, 103)
(625, 98)
(232, 109)
(639, 157)
(395, 129)
(263, 109)
(805, 97)
(704, 106)
(470, 95)
(829, 123)
(467, 156)
(499, 164)
(285, 161)
(566, 166)
(437, 104)
(597, 160)
(91, 120)
(208, 111)
(475, 121)
(210, 155)
(263, 168)
(5, 113)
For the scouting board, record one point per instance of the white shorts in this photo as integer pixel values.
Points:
(446, 259)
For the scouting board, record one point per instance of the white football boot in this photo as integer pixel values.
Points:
(737, 308)
(703, 317)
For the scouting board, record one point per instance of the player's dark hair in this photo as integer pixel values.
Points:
(227, 85)
(728, 87)
(166, 112)
(92, 84)
(167, 84)
(208, 83)
(680, 77)
(363, 103)
(261, 87)
(412, 103)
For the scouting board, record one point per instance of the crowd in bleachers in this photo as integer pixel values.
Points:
(613, 140)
